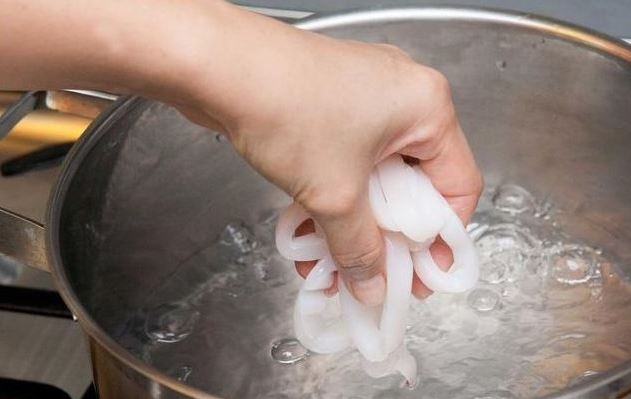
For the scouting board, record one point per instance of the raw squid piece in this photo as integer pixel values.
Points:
(412, 214)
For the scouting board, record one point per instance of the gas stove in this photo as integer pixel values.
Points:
(42, 349)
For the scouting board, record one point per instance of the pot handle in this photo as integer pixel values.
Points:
(23, 240)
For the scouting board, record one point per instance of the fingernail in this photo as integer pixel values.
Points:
(371, 292)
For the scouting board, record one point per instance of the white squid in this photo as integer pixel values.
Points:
(412, 214)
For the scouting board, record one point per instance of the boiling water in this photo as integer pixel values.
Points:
(548, 312)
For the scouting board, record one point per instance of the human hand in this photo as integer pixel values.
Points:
(314, 115)
(310, 113)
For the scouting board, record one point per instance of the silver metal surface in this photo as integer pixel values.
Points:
(610, 17)
(15, 112)
(88, 104)
(22, 239)
(95, 94)
(524, 20)
(543, 103)
(287, 15)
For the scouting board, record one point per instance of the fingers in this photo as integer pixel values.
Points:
(440, 252)
(448, 161)
(443, 257)
(420, 290)
(357, 247)
(332, 290)
(438, 142)
(303, 268)
(454, 173)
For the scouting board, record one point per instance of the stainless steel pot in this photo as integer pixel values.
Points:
(145, 193)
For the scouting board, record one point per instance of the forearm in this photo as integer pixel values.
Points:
(119, 45)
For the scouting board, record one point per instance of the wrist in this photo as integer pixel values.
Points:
(239, 66)
(159, 52)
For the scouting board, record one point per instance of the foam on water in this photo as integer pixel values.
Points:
(548, 312)
(238, 236)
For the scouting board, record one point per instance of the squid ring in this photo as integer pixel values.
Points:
(411, 213)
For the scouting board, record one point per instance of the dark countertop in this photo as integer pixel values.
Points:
(609, 16)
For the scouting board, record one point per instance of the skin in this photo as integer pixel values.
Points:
(312, 114)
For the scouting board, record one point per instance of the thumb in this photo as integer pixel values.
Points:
(357, 247)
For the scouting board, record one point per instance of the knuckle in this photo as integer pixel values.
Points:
(440, 121)
(436, 81)
(395, 52)
(332, 201)
(393, 59)
(360, 264)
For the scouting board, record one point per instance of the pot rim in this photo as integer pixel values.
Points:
(605, 44)
(564, 30)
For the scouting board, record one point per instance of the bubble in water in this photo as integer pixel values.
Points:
(224, 280)
(504, 236)
(513, 199)
(585, 376)
(483, 300)
(494, 271)
(266, 265)
(170, 323)
(509, 292)
(258, 260)
(573, 264)
(288, 351)
(500, 64)
(182, 373)
(510, 244)
(542, 210)
(238, 235)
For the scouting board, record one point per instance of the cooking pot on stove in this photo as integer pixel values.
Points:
(133, 222)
